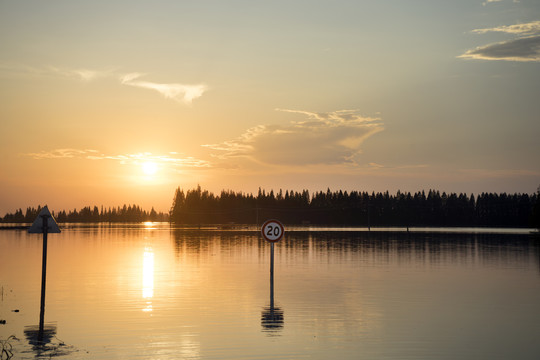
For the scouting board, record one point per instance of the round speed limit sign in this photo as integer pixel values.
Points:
(272, 230)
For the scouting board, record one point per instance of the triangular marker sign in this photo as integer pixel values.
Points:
(37, 226)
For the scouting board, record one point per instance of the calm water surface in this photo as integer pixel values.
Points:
(151, 292)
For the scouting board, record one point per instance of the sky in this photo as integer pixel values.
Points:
(121, 102)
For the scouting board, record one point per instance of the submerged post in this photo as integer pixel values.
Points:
(45, 229)
(272, 231)
(272, 317)
(272, 275)
(44, 224)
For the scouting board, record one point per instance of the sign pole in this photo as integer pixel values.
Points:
(271, 275)
(44, 224)
(272, 231)
(45, 220)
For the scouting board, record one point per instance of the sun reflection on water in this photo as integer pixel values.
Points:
(148, 278)
(149, 225)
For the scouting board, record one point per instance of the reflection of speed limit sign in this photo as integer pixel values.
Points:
(272, 230)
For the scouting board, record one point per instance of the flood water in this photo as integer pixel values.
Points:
(151, 292)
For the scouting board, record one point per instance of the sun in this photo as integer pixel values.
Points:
(149, 168)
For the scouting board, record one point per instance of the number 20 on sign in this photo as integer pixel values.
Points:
(272, 230)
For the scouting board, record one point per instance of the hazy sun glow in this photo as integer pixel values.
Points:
(125, 126)
(149, 168)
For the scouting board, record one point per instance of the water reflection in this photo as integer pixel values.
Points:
(536, 238)
(44, 342)
(383, 247)
(419, 248)
(204, 242)
(351, 295)
(148, 278)
(272, 318)
(40, 342)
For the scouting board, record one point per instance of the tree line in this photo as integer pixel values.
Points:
(126, 213)
(340, 208)
(355, 208)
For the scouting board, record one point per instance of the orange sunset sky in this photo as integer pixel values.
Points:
(114, 102)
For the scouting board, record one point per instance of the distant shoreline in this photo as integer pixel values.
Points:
(289, 228)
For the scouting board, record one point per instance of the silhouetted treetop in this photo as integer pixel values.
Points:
(126, 213)
(197, 206)
(339, 208)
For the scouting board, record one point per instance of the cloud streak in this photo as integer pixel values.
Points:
(62, 154)
(496, 1)
(135, 159)
(323, 138)
(82, 74)
(177, 92)
(490, 1)
(530, 28)
(524, 48)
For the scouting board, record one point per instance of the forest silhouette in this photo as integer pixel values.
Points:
(335, 208)
(126, 213)
(356, 208)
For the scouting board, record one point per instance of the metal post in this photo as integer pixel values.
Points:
(43, 277)
(272, 275)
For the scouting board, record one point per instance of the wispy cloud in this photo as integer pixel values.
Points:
(525, 48)
(62, 154)
(522, 49)
(373, 165)
(323, 138)
(530, 28)
(82, 73)
(178, 92)
(171, 158)
(490, 1)
(496, 1)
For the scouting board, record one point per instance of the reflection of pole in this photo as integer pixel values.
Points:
(271, 317)
(272, 276)
(43, 277)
